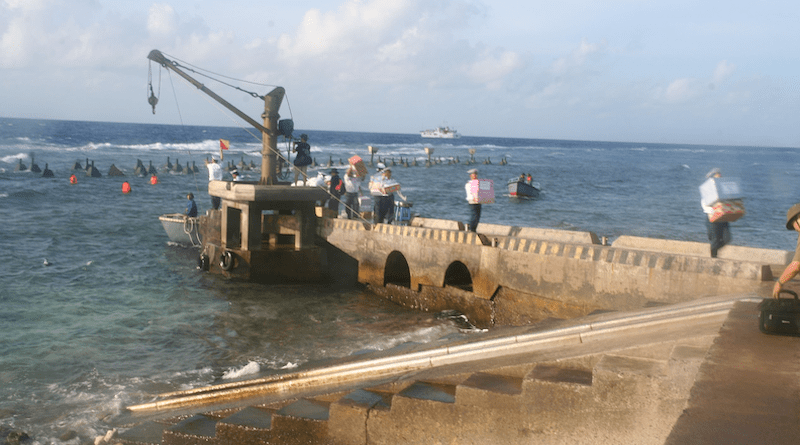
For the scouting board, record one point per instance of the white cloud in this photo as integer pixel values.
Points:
(492, 69)
(578, 58)
(723, 71)
(161, 19)
(681, 90)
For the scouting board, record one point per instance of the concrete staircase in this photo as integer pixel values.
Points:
(629, 395)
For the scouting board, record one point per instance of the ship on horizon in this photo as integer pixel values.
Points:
(440, 133)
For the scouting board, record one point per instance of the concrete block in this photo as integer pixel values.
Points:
(148, 433)
(250, 426)
(729, 252)
(496, 229)
(196, 430)
(302, 422)
(349, 415)
(557, 390)
(563, 236)
(489, 391)
(431, 223)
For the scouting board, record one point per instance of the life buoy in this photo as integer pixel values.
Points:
(203, 263)
(226, 261)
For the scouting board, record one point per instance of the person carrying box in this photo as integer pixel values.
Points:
(473, 191)
(712, 202)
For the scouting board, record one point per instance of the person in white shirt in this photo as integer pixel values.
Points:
(472, 199)
(352, 187)
(719, 233)
(214, 174)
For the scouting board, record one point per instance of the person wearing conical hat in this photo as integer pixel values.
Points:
(792, 223)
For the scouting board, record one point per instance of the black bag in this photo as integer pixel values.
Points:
(780, 316)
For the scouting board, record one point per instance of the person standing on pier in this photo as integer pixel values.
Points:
(352, 186)
(792, 223)
(336, 190)
(214, 174)
(719, 233)
(303, 158)
(472, 199)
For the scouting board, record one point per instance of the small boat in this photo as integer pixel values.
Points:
(181, 229)
(518, 188)
(441, 133)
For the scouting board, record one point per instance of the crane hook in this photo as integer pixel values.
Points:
(152, 100)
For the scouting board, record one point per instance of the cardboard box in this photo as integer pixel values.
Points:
(719, 189)
(482, 191)
(358, 164)
(390, 187)
(727, 211)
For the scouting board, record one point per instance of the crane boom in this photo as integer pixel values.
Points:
(269, 134)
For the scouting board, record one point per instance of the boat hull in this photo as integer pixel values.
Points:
(521, 189)
(181, 229)
(440, 133)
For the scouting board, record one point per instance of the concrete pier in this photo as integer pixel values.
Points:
(519, 275)
(653, 376)
(644, 341)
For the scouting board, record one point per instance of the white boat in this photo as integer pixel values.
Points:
(440, 132)
(181, 229)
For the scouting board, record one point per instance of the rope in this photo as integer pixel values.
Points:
(191, 222)
(183, 128)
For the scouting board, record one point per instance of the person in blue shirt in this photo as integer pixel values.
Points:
(191, 207)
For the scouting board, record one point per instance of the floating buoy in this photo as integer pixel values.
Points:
(154, 180)
(126, 187)
(73, 179)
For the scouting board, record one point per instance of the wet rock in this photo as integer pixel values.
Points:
(10, 436)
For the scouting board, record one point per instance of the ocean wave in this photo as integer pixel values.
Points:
(248, 369)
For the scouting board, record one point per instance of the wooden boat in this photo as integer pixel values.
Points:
(181, 229)
(521, 189)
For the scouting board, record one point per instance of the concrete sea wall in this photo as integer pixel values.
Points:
(508, 275)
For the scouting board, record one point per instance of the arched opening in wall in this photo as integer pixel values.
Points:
(396, 271)
(457, 275)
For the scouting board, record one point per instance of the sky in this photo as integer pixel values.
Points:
(722, 72)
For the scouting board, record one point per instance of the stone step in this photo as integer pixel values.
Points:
(304, 421)
(199, 429)
(349, 415)
(147, 433)
(250, 426)
(489, 390)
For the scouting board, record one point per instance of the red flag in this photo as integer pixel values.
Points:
(223, 145)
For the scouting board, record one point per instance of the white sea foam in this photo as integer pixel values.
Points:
(233, 373)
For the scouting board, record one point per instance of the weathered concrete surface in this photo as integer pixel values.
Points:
(693, 373)
(532, 274)
(747, 390)
(729, 252)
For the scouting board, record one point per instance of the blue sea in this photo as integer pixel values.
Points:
(99, 311)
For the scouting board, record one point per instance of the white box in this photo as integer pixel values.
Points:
(482, 191)
(719, 189)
